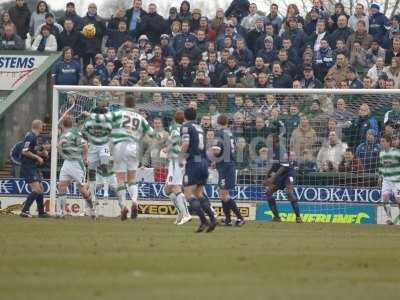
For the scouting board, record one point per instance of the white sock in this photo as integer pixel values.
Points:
(106, 189)
(121, 191)
(388, 211)
(172, 196)
(92, 187)
(186, 206)
(133, 192)
(181, 204)
(61, 204)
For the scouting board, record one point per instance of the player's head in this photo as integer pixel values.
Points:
(386, 141)
(68, 122)
(37, 125)
(179, 117)
(129, 101)
(190, 114)
(222, 120)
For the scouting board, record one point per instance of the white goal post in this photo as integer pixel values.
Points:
(373, 97)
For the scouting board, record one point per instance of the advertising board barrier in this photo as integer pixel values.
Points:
(329, 213)
(151, 190)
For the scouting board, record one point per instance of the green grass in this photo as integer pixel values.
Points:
(153, 259)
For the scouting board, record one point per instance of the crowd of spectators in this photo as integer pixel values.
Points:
(240, 46)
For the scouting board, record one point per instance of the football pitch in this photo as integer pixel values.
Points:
(153, 259)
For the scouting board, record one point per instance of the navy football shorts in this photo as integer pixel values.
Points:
(196, 173)
(30, 174)
(226, 177)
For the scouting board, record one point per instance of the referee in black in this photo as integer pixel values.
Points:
(32, 156)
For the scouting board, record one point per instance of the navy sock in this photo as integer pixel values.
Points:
(28, 202)
(227, 211)
(206, 206)
(235, 208)
(196, 208)
(39, 203)
(272, 205)
(296, 209)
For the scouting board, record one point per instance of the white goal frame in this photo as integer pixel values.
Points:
(249, 91)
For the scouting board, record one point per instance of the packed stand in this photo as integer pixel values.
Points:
(236, 47)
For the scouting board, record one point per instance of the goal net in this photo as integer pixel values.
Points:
(331, 136)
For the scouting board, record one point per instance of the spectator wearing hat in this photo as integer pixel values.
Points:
(323, 59)
(55, 28)
(249, 22)
(190, 50)
(172, 17)
(375, 51)
(134, 16)
(184, 12)
(239, 9)
(268, 53)
(342, 32)
(358, 59)
(10, 40)
(309, 81)
(204, 26)
(38, 17)
(70, 13)
(339, 70)
(311, 21)
(196, 15)
(242, 54)
(360, 35)
(393, 52)
(45, 41)
(378, 23)
(255, 33)
(72, 38)
(93, 44)
(67, 70)
(117, 38)
(153, 24)
(359, 15)
(20, 15)
(273, 18)
(368, 151)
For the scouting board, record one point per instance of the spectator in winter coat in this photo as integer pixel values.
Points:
(190, 50)
(249, 22)
(38, 17)
(112, 26)
(331, 152)
(153, 25)
(134, 16)
(178, 41)
(268, 53)
(70, 37)
(333, 19)
(117, 38)
(393, 52)
(274, 19)
(254, 34)
(280, 79)
(392, 117)
(185, 73)
(359, 15)
(20, 15)
(45, 41)
(242, 54)
(393, 71)
(184, 12)
(341, 33)
(55, 28)
(360, 35)
(239, 9)
(309, 81)
(71, 14)
(311, 21)
(374, 52)
(314, 39)
(296, 35)
(368, 152)
(204, 26)
(67, 70)
(269, 31)
(362, 124)
(202, 43)
(93, 44)
(378, 23)
(303, 138)
(339, 70)
(376, 71)
(89, 74)
(358, 59)
(352, 77)
(323, 59)
(10, 40)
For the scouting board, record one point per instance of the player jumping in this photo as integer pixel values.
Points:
(224, 153)
(175, 171)
(196, 170)
(281, 177)
(73, 149)
(389, 165)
